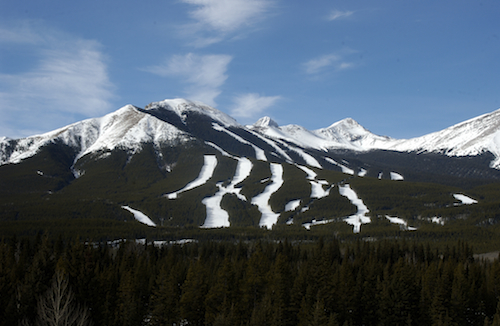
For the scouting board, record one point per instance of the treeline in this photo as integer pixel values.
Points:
(247, 283)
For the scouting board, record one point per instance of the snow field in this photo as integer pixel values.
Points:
(360, 217)
(216, 216)
(464, 199)
(396, 176)
(259, 152)
(344, 168)
(292, 205)
(139, 216)
(401, 222)
(210, 162)
(269, 218)
(317, 190)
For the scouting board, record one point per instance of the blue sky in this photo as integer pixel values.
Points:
(400, 68)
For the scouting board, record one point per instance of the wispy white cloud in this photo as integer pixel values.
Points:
(69, 79)
(336, 14)
(329, 62)
(215, 19)
(203, 74)
(315, 65)
(251, 105)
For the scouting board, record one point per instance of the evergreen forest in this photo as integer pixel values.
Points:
(49, 281)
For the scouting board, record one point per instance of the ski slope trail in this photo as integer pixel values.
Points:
(216, 216)
(269, 218)
(360, 217)
(206, 172)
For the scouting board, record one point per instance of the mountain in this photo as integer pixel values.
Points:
(178, 163)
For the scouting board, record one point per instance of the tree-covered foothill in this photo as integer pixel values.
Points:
(245, 283)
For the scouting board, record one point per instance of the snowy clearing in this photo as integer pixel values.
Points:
(437, 220)
(401, 222)
(292, 205)
(206, 172)
(139, 216)
(360, 217)
(216, 216)
(269, 218)
(464, 199)
(396, 176)
(314, 222)
(344, 168)
(273, 144)
(259, 152)
(317, 190)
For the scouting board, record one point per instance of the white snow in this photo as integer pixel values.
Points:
(259, 152)
(396, 176)
(437, 220)
(401, 222)
(269, 218)
(182, 107)
(125, 128)
(360, 217)
(315, 222)
(139, 216)
(465, 199)
(317, 190)
(216, 216)
(292, 205)
(223, 152)
(344, 168)
(362, 172)
(273, 144)
(206, 172)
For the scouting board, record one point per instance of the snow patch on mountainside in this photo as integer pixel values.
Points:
(292, 205)
(269, 218)
(216, 216)
(317, 190)
(403, 224)
(396, 176)
(466, 200)
(344, 168)
(259, 152)
(360, 217)
(139, 216)
(206, 172)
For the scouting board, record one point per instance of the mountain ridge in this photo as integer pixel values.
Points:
(182, 163)
(130, 126)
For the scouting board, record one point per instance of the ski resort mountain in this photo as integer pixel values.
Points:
(178, 162)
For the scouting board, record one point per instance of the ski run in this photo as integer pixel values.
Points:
(217, 217)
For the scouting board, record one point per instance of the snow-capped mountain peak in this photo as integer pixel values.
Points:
(181, 107)
(127, 127)
(349, 133)
(265, 122)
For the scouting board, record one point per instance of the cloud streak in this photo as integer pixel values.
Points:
(252, 104)
(70, 77)
(337, 14)
(203, 74)
(333, 61)
(215, 19)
